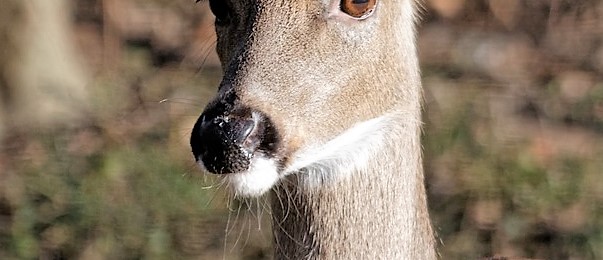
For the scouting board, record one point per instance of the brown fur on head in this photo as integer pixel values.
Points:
(308, 71)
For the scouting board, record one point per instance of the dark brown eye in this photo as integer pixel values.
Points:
(221, 10)
(358, 8)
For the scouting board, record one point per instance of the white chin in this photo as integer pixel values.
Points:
(260, 178)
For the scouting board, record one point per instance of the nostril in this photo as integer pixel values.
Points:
(240, 130)
(230, 129)
(225, 144)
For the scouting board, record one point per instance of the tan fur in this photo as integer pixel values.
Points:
(380, 212)
(316, 77)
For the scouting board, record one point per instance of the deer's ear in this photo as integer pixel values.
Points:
(358, 9)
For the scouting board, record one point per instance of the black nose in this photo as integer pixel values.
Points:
(226, 142)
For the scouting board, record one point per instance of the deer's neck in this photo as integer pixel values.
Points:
(378, 211)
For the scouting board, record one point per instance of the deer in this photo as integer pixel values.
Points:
(319, 108)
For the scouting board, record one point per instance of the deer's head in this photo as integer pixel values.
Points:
(304, 80)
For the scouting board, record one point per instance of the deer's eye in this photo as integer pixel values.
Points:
(359, 9)
(221, 10)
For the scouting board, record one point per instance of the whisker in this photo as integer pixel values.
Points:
(185, 101)
(206, 51)
(240, 231)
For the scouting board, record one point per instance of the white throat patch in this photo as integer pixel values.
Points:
(343, 154)
(335, 159)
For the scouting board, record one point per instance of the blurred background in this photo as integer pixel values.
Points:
(97, 99)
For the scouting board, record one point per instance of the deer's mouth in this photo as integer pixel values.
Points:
(240, 145)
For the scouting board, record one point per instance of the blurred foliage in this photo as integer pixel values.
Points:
(490, 197)
(113, 187)
(514, 120)
(513, 127)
